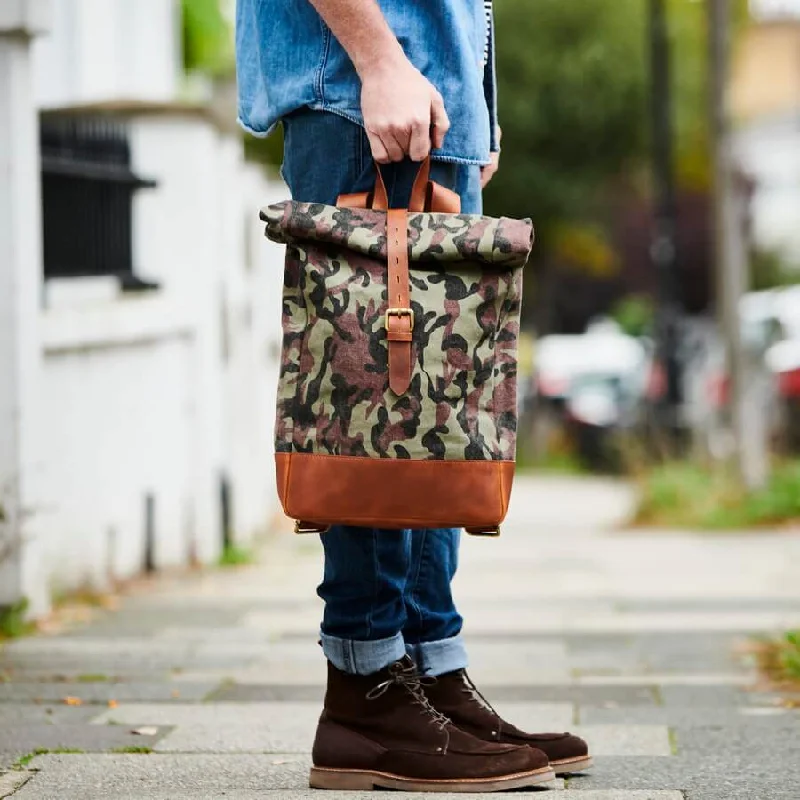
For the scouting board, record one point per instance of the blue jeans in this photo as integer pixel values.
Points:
(386, 592)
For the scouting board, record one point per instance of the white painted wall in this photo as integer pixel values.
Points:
(164, 393)
(109, 50)
(20, 265)
(108, 398)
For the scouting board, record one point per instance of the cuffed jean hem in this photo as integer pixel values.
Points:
(362, 658)
(439, 658)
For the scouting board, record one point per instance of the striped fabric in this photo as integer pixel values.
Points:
(487, 6)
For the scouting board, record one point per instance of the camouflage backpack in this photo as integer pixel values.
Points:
(397, 391)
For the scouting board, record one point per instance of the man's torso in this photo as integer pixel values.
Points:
(287, 58)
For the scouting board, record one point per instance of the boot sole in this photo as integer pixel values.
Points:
(366, 780)
(567, 766)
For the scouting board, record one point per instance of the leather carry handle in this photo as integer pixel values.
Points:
(426, 195)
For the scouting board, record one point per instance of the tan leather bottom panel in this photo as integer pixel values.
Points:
(393, 493)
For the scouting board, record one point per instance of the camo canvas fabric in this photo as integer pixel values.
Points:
(466, 287)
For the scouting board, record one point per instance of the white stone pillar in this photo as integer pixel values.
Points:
(20, 282)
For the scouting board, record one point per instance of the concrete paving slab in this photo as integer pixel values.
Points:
(49, 714)
(162, 777)
(286, 673)
(379, 795)
(11, 781)
(727, 775)
(690, 717)
(597, 695)
(778, 742)
(224, 727)
(259, 693)
(134, 777)
(709, 696)
(626, 740)
(662, 680)
(25, 738)
(88, 648)
(104, 692)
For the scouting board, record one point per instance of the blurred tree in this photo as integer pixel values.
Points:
(573, 91)
(207, 38)
(635, 314)
(208, 47)
(572, 88)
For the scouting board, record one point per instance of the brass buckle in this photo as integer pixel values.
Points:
(400, 312)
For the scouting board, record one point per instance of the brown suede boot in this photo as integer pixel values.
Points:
(455, 695)
(380, 731)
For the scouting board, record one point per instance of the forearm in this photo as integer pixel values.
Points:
(361, 28)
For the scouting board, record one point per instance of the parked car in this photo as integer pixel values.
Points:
(594, 384)
(770, 329)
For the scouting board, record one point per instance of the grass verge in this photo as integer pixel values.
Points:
(234, 556)
(779, 659)
(690, 495)
(12, 621)
(44, 751)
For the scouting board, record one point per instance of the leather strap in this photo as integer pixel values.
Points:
(426, 195)
(399, 316)
(419, 191)
(360, 200)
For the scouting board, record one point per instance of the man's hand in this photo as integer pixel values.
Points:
(488, 172)
(404, 114)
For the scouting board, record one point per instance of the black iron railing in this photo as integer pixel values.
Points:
(87, 193)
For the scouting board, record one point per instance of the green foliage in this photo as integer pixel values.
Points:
(790, 655)
(132, 749)
(44, 751)
(572, 82)
(266, 150)
(207, 38)
(234, 556)
(635, 314)
(13, 622)
(688, 495)
(93, 678)
(769, 269)
(574, 96)
(779, 658)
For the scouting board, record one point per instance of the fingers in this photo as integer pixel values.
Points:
(393, 142)
(405, 128)
(488, 172)
(440, 122)
(387, 143)
(379, 152)
(420, 144)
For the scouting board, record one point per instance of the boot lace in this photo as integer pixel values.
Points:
(472, 690)
(413, 683)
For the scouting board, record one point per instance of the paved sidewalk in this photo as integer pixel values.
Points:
(627, 639)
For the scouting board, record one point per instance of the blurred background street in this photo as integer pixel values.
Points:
(144, 564)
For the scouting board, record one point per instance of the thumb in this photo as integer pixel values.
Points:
(440, 122)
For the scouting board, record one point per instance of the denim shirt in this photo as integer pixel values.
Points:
(287, 58)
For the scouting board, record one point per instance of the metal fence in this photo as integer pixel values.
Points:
(87, 193)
